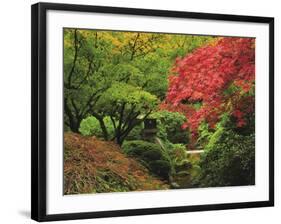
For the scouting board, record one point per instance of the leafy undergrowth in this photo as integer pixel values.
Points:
(95, 166)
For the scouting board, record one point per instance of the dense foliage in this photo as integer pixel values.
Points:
(169, 126)
(90, 126)
(199, 91)
(95, 62)
(215, 79)
(124, 103)
(229, 162)
(150, 155)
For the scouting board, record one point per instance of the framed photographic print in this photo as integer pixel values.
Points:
(139, 111)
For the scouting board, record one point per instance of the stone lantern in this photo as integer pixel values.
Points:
(150, 129)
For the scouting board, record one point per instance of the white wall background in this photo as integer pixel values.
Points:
(15, 110)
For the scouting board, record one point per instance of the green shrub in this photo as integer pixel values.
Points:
(90, 126)
(179, 159)
(150, 155)
(138, 147)
(183, 165)
(169, 126)
(161, 168)
(229, 161)
(177, 152)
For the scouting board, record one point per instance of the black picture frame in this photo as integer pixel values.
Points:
(39, 107)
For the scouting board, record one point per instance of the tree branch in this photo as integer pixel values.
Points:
(133, 47)
(74, 59)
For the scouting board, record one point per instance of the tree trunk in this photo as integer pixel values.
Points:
(74, 126)
(102, 125)
(119, 140)
(103, 128)
(73, 121)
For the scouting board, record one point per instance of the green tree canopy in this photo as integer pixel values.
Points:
(95, 61)
(127, 106)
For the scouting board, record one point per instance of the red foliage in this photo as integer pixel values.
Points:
(217, 77)
(90, 162)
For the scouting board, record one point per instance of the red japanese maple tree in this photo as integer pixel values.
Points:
(214, 79)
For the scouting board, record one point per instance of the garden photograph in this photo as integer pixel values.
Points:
(150, 111)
